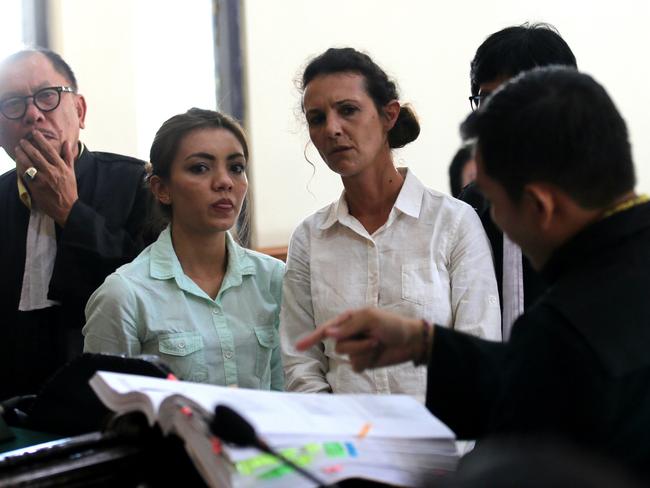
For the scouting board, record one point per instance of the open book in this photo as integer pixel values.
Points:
(387, 438)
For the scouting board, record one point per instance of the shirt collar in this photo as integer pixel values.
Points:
(164, 264)
(239, 264)
(336, 212)
(23, 193)
(409, 201)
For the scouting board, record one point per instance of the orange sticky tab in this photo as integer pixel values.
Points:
(172, 377)
(364, 430)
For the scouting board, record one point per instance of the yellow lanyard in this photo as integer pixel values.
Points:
(627, 204)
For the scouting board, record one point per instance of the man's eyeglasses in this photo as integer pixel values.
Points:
(475, 100)
(45, 99)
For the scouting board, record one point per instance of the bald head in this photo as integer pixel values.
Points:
(58, 63)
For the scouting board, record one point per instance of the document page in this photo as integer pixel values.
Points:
(392, 416)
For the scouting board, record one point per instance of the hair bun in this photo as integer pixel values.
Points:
(406, 128)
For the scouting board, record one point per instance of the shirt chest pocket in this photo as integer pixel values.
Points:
(184, 353)
(421, 283)
(267, 340)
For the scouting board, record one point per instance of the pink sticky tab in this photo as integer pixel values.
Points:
(216, 446)
(335, 468)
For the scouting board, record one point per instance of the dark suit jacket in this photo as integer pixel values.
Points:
(102, 232)
(578, 362)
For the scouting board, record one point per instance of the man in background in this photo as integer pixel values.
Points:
(462, 169)
(68, 218)
(501, 56)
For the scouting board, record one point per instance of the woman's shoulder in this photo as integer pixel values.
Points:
(124, 288)
(443, 211)
(134, 273)
(318, 220)
(117, 287)
(439, 202)
(261, 264)
(310, 226)
(263, 261)
(267, 270)
(320, 216)
(433, 201)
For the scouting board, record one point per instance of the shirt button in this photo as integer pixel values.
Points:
(181, 345)
(228, 355)
(216, 311)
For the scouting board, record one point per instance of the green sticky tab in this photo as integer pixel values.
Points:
(290, 452)
(249, 466)
(334, 449)
(304, 460)
(276, 473)
(312, 448)
(303, 455)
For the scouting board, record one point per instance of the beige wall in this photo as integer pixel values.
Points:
(140, 61)
(80, 33)
(427, 46)
(11, 35)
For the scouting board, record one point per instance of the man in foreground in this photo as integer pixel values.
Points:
(554, 159)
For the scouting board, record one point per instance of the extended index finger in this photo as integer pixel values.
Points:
(355, 326)
(321, 332)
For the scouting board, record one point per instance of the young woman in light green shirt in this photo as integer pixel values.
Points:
(207, 306)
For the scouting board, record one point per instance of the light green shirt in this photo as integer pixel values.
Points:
(150, 306)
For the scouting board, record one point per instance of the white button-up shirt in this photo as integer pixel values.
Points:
(431, 259)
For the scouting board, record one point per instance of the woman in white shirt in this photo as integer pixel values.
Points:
(388, 241)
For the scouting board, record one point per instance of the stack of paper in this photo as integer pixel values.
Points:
(388, 438)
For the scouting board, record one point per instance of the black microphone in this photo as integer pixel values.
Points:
(232, 428)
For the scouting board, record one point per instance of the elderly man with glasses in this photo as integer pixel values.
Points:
(68, 218)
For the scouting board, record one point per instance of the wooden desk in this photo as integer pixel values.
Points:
(277, 252)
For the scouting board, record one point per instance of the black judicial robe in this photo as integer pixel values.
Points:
(103, 231)
(578, 363)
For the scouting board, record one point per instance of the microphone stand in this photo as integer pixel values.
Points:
(232, 428)
(263, 446)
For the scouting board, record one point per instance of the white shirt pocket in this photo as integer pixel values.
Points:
(420, 282)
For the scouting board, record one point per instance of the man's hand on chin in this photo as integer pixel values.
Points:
(53, 187)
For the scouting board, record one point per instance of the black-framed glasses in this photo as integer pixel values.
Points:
(475, 101)
(45, 99)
